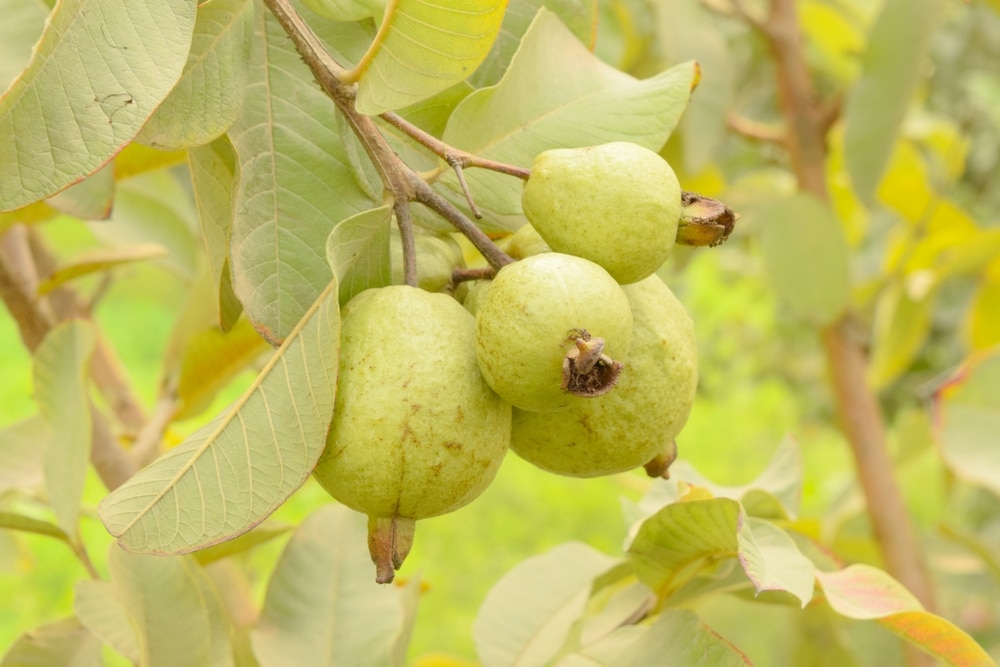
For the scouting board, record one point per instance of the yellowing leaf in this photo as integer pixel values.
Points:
(423, 48)
(99, 71)
(906, 187)
(98, 260)
(982, 324)
(902, 322)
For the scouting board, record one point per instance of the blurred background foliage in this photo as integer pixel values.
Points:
(924, 261)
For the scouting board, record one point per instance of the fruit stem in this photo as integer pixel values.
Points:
(401, 207)
(460, 275)
(389, 541)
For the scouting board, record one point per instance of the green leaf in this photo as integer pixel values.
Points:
(776, 564)
(358, 252)
(91, 198)
(806, 256)
(213, 178)
(580, 16)
(21, 448)
(61, 369)
(296, 182)
(556, 93)
(122, 59)
(676, 637)
(99, 260)
(154, 208)
(22, 26)
(423, 48)
(323, 607)
(777, 491)
(232, 473)
(263, 533)
(63, 643)
(681, 538)
(177, 615)
(27, 524)
(100, 610)
(877, 102)
(527, 616)
(209, 94)
(867, 593)
(969, 419)
(903, 317)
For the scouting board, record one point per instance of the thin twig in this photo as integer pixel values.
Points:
(456, 165)
(461, 275)
(858, 406)
(401, 207)
(754, 129)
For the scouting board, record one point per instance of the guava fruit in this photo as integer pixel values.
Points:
(616, 204)
(637, 422)
(416, 431)
(437, 256)
(549, 327)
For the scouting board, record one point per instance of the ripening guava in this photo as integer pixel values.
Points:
(437, 257)
(638, 421)
(617, 204)
(550, 326)
(416, 431)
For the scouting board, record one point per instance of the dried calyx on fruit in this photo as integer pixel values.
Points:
(636, 424)
(416, 430)
(616, 204)
(551, 326)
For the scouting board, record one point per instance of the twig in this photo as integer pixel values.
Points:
(405, 223)
(449, 153)
(860, 412)
(460, 275)
(456, 165)
(147, 443)
(753, 129)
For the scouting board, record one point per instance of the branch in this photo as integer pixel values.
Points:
(754, 129)
(858, 406)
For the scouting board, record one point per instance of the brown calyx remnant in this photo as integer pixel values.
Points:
(389, 541)
(704, 221)
(587, 371)
(659, 465)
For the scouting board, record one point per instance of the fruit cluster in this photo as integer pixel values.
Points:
(576, 356)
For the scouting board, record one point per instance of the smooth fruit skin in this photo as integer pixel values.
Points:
(616, 204)
(638, 420)
(526, 317)
(416, 431)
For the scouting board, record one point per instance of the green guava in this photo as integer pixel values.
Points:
(616, 204)
(437, 257)
(638, 421)
(416, 431)
(549, 327)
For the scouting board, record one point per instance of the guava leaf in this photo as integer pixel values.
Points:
(806, 256)
(777, 491)
(903, 317)
(122, 59)
(208, 96)
(136, 159)
(323, 606)
(177, 615)
(100, 610)
(213, 179)
(556, 93)
(527, 615)
(877, 102)
(27, 524)
(262, 534)
(983, 318)
(61, 370)
(22, 26)
(580, 16)
(100, 260)
(295, 184)
(232, 473)
(676, 542)
(423, 48)
(65, 643)
(676, 637)
(969, 420)
(867, 593)
(21, 448)
(358, 252)
(90, 199)
(154, 208)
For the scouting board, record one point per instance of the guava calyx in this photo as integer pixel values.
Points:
(587, 371)
(659, 465)
(389, 542)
